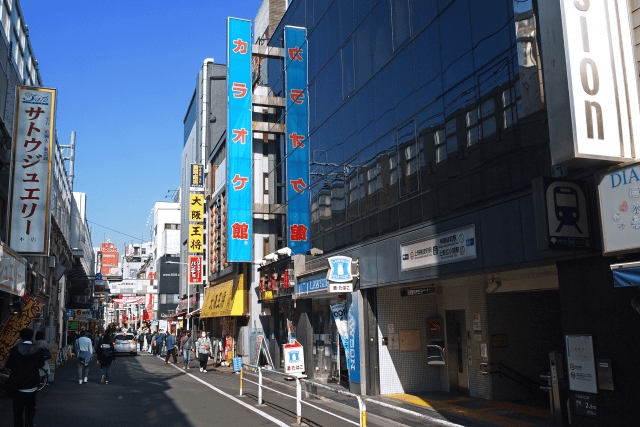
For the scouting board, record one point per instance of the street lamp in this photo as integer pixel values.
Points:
(190, 325)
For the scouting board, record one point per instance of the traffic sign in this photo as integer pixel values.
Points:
(98, 276)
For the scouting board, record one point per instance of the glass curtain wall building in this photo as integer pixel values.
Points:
(428, 117)
(408, 100)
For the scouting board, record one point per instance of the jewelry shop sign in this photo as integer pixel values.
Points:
(619, 198)
(442, 248)
(32, 145)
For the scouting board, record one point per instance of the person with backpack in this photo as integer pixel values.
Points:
(106, 354)
(25, 360)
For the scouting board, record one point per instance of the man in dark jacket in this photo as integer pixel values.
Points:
(25, 361)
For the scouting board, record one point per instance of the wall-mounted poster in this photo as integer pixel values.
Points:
(581, 363)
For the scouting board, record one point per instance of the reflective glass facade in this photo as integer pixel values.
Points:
(419, 110)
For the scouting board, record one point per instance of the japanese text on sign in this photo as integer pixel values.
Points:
(32, 145)
(453, 246)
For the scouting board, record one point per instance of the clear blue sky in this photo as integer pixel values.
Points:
(125, 71)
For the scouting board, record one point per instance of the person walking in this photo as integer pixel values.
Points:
(106, 354)
(187, 347)
(148, 336)
(25, 361)
(84, 351)
(159, 342)
(141, 339)
(203, 348)
(170, 343)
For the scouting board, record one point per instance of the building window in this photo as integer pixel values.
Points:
(481, 122)
(512, 106)
(446, 141)
(163, 298)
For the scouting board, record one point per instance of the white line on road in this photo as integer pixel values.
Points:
(235, 399)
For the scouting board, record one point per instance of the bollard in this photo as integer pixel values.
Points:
(298, 404)
(363, 412)
(241, 381)
(259, 386)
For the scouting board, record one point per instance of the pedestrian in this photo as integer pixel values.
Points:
(44, 345)
(141, 339)
(106, 354)
(203, 348)
(84, 352)
(170, 343)
(25, 361)
(148, 337)
(187, 348)
(159, 342)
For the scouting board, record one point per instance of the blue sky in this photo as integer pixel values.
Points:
(125, 71)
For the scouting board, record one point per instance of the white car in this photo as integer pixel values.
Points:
(126, 343)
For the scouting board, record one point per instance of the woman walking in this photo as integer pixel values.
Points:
(203, 348)
(106, 355)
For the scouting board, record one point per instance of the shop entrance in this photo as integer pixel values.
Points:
(326, 344)
(457, 351)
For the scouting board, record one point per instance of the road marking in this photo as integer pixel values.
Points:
(235, 399)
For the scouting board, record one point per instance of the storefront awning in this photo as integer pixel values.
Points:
(225, 299)
(194, 313)
(627, 274)
(173, 316)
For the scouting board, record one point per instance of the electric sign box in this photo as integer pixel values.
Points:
(560, 208)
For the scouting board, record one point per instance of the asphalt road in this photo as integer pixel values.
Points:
(143, 391)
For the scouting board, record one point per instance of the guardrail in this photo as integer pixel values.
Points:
(361, 405)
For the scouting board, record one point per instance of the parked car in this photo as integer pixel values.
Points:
(125, 343)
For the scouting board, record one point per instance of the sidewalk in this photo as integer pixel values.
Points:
(448, 407)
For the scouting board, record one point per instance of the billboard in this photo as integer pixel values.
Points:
(239, 141)
(33, 135)
(591, 86)
(109, 259)
(297, 133)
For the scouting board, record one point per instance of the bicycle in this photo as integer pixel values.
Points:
(6, 372)
(44, 379)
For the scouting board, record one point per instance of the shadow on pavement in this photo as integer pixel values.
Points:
(135, 396)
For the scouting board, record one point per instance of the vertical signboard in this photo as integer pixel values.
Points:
(239, 140)
(196, 238)
(195, 270)
(32, 156)
(196, 207)
(592, 92)
(297, 136)
(197, 175)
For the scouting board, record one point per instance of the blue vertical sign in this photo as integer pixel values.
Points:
(239, 141)
(297, 140)
(353, 358)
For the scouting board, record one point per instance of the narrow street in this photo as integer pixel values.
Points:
(143, 391)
